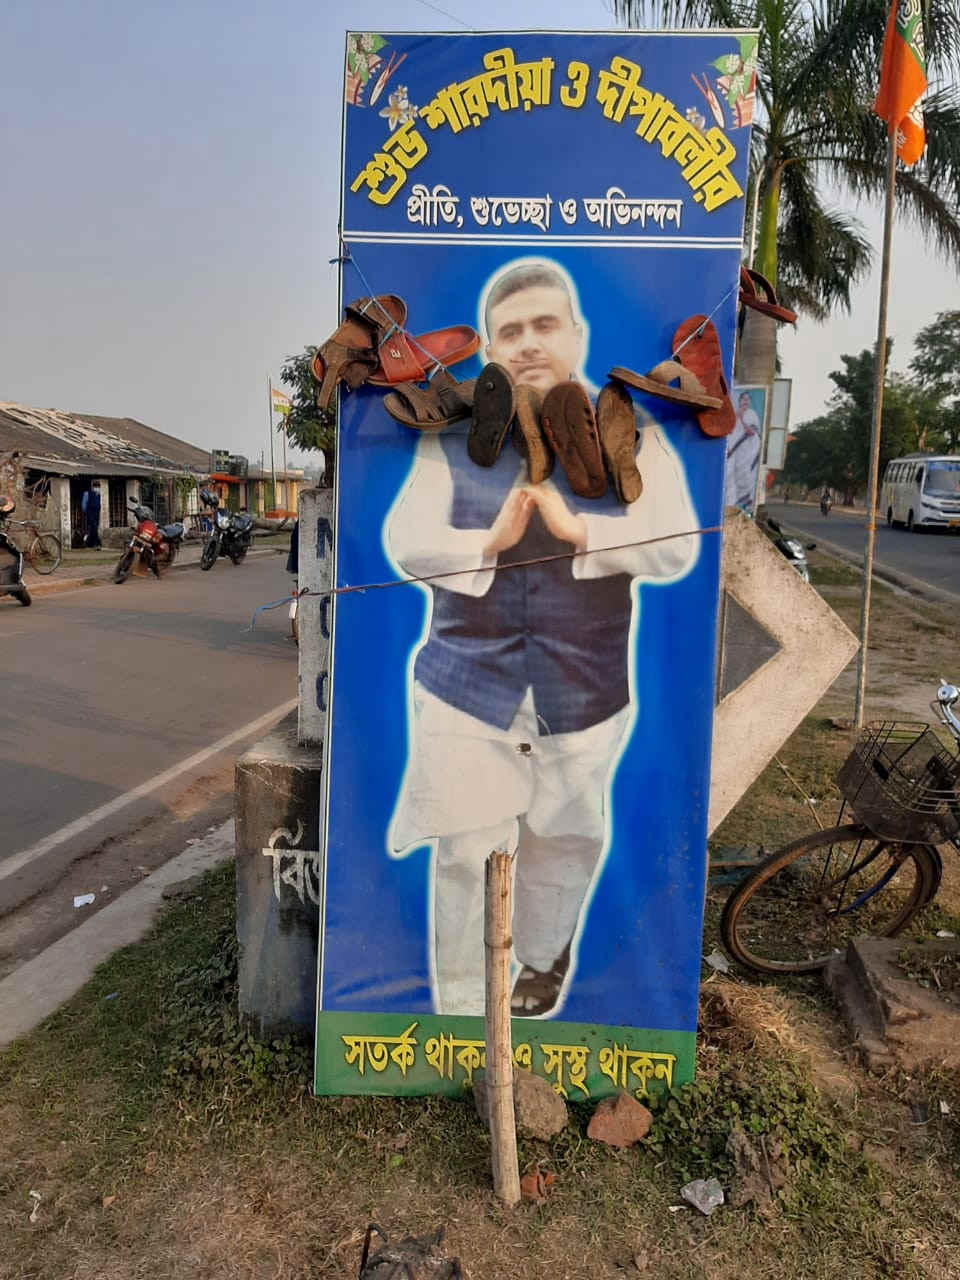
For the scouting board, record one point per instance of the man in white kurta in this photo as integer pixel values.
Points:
(522, 694)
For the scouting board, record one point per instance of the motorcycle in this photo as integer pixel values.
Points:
(790, 548)
(231, 536)
(11, 558)
(825, 505)
(156, 545)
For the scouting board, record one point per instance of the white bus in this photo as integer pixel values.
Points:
(921, 491)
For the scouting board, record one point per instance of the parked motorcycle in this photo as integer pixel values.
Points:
(11, 558)
(231, 536)
(156, 545)
(790, 548)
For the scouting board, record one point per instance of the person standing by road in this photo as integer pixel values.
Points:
(90, 506)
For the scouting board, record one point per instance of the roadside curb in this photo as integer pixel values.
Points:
(76, 584)
(892, 577)
(40, 986)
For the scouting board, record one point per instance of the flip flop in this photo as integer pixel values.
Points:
(696, 345)
(657, 383)
(494, 405)
(528, 434)
(440, 404)
(765, 300)
(350, 354)
(570, 425)
(617, 427)
(407, 359)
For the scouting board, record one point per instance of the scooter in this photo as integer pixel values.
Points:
(790, 548)
(156, 545)
(11, 558)
(231, 536)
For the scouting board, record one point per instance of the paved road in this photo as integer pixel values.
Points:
(103, 689)
(932, 557)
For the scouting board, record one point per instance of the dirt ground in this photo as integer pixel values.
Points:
(143, 1133)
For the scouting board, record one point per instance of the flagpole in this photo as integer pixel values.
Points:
(273, 468)
(880, 362)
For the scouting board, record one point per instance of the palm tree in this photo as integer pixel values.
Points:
(817, 73)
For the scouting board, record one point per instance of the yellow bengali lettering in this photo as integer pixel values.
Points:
(574, 94)
(376, 1051)
(443, 1051)
(627, 1067)
(404, 149)
(566, 1061)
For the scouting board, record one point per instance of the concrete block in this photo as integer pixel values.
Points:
(278, 790)
(767, 690)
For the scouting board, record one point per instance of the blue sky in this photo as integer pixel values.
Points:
(172, 176)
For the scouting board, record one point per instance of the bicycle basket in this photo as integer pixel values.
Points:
(902, 783)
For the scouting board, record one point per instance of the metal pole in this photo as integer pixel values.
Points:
(286, 478)
(273, 468)
(753, 217)
(880, 362)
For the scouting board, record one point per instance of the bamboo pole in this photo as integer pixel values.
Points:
(498, 944)
(880, 362)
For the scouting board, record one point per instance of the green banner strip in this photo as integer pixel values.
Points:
(413, 1054)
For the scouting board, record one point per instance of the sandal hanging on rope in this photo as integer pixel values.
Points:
(404, 358)
(659, 382)
(696, 345)
(352, 354)
(528, 433)
(617, 428)
(758, 293)
(440, 404)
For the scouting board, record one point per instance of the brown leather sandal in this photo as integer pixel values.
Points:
(758, 293)
(410, 359)
(440, 404)
(570, 426)
(528, 434)
(696, 344)
(617, 426)
(658, 382)
(351, 355)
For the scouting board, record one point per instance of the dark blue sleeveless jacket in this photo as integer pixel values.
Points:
(537, 627)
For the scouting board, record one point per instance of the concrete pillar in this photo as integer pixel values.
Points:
(279, 787)
(314, 612)
(278, 794)
(59, 514)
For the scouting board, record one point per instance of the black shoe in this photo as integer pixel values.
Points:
(536, 992)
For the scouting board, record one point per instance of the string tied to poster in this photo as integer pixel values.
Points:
(414, 580)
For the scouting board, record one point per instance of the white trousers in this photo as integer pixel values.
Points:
(474, 788)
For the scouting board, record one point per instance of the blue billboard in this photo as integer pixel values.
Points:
(527, 551)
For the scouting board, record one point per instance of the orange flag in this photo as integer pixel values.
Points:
(903, 79)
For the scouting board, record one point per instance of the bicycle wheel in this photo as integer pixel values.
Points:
(45, 552)
(805, 903)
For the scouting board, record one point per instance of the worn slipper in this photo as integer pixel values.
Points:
(757, 292)
(696, 345)
(494, 405)
(536, 991)
(570, 426)
(440, 404)
(658, 383)
(404, 358)
(351, 354)
(617, 427)
(528, 434)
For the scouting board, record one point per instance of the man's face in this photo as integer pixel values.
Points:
(534, 337)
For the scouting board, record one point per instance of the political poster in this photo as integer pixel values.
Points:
(527, 551)
(744, 446)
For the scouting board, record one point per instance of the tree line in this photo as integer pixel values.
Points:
(921, 412)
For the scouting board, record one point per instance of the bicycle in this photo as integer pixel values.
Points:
(45, 550)
(869, 875)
